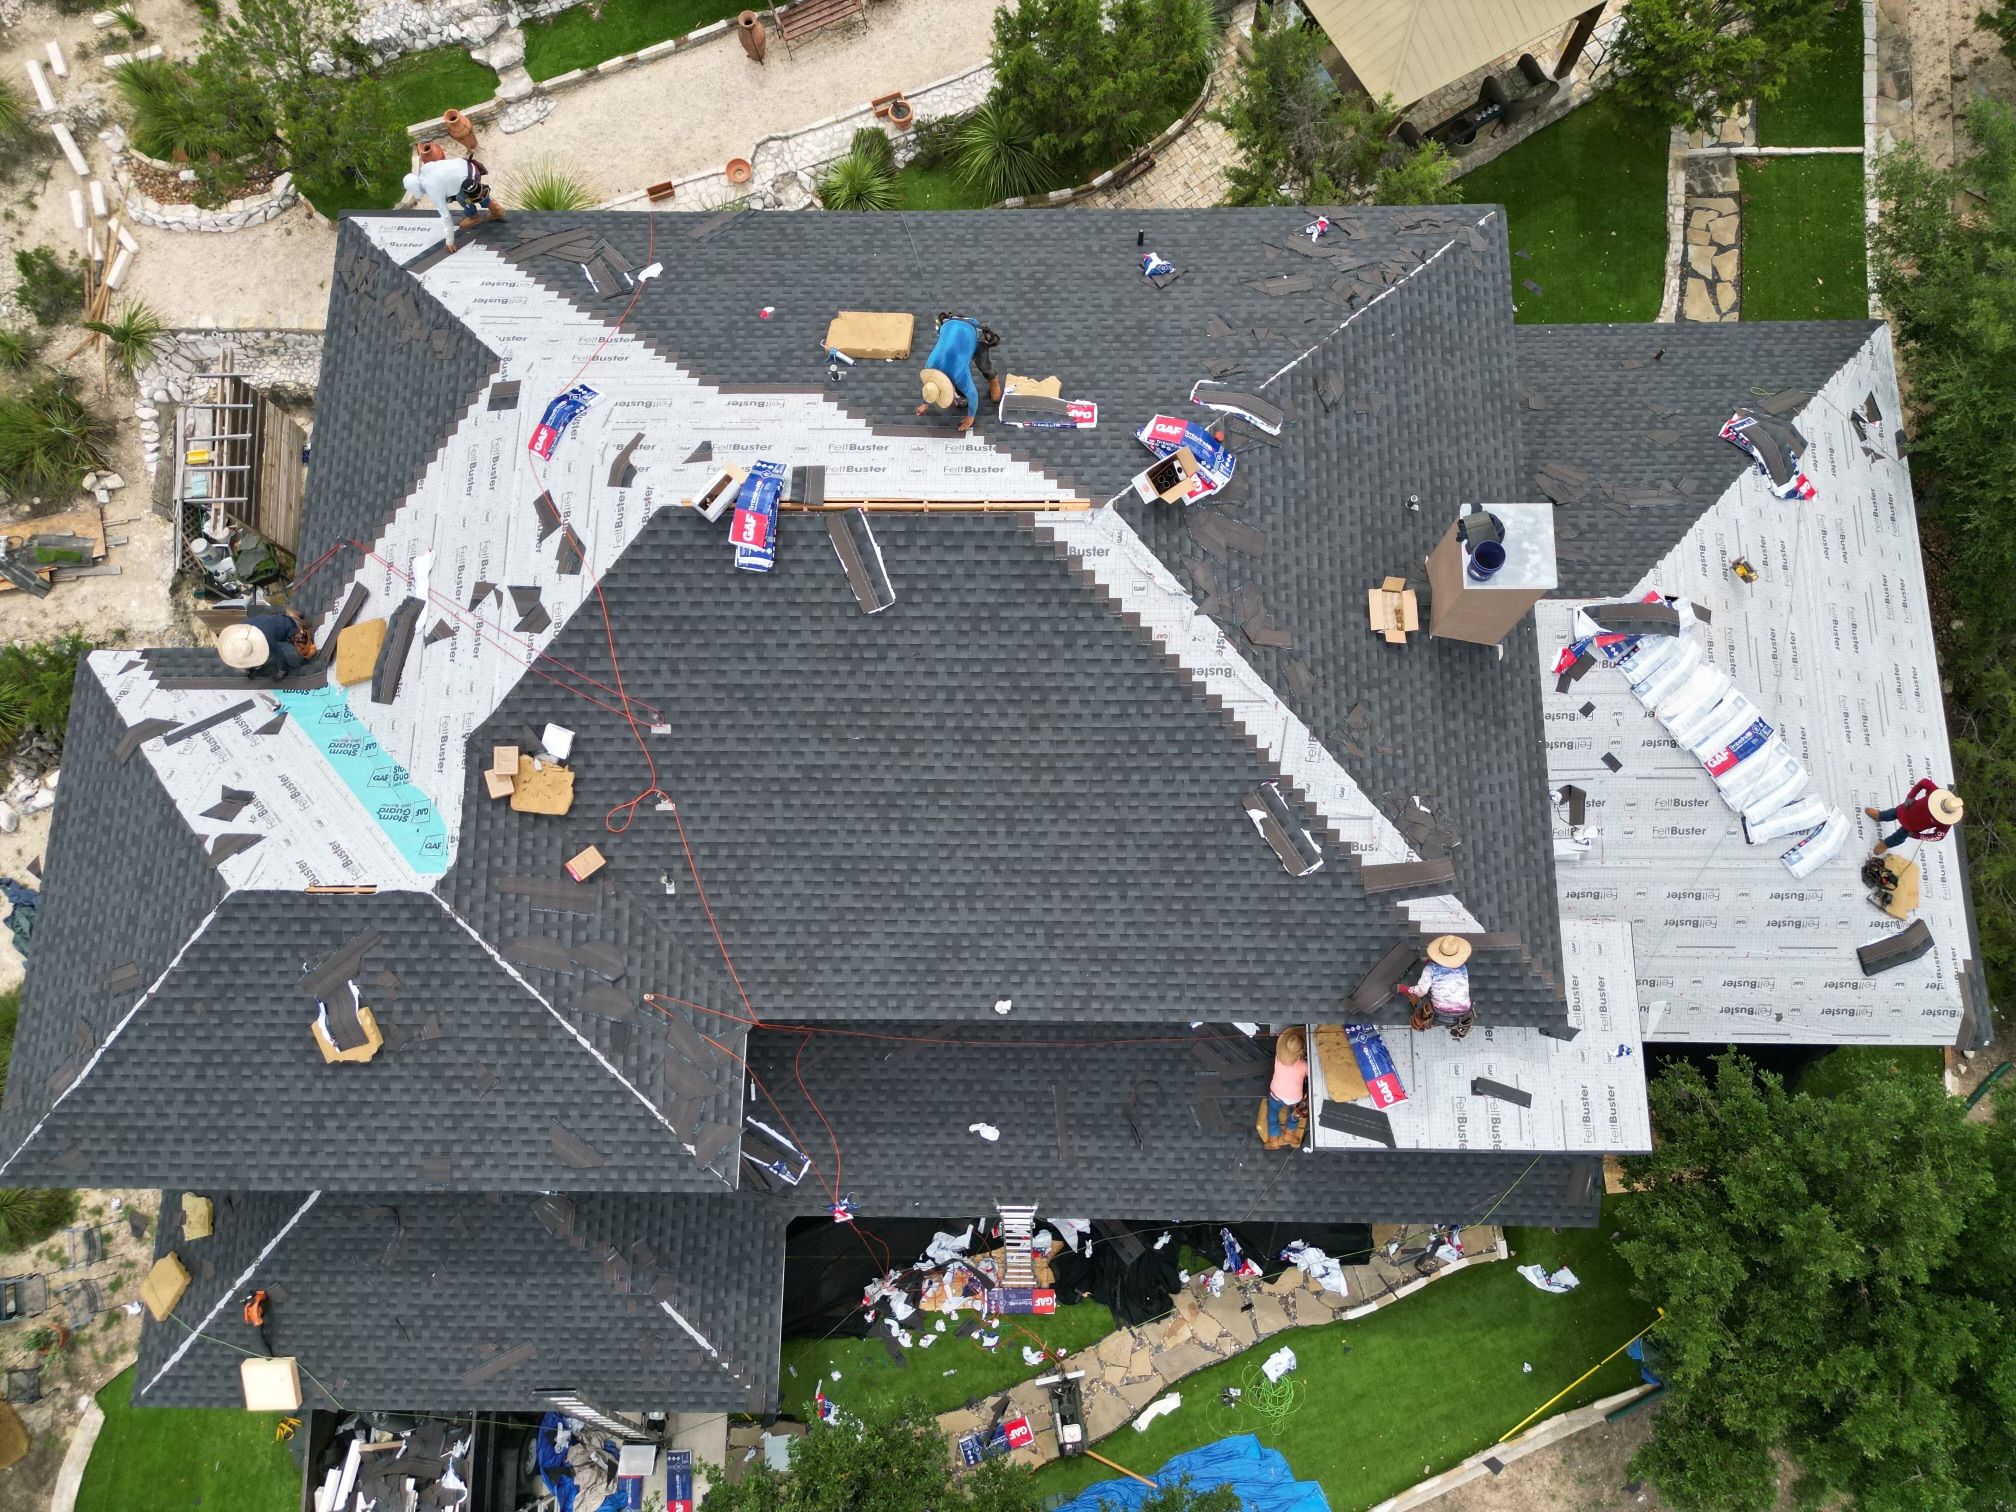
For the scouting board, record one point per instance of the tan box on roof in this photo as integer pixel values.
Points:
(875, 335)
(271, 1385)
(164, 1286)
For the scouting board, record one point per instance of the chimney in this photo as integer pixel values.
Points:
(1492, 565)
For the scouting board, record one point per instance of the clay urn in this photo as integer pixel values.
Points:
(902, 114)
(459, 130)
(749, 27)
(739, 170)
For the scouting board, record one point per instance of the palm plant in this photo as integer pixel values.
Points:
(995, 153)
(13, 111)
(17, 347)
(129, 23)
(166, 113)
(48, 438)
(133, 334)
(858, 182)
(545, 185)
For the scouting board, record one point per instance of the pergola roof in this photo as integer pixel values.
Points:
(1411, 48)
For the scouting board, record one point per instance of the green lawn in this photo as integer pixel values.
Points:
(575, 39)
(218, 1459)
(1822, 102)
(869, 1377)
(937, 189)
(1803, 255)
(446, 78)
(1586, 197)
(1427, 1381)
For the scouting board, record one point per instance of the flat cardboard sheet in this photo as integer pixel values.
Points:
(872, 334)
(198, 1216)
(1340, 1067)
(357, 651)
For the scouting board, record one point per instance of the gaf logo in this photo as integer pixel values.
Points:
(387, 776)
(434, 845)
(337, 714)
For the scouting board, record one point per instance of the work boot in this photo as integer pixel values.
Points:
(496, 212)
(1872, 813)
(471, 223)
(994, 389)
(1880, 850)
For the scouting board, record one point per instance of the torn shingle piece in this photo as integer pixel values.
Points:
(1285, 283)
(571, 1150)
(1532, 287)
(714, 225)
(211, 722)
(225, 846)
(1785, 401)
(606, 1003)
(710, 1139)
(571, 556)
(436, 1170)
(1664, 437)
(504, 395)
(479, 593)
(392, 653)
(126, 978)
(497, 1364)
(543, 951)
(229, 805)
(534, 622)
(1218, 327)
(621, 472)
(549, 521)
(1301, 681)
(1221, 534)
(1610, 760)
(684, 1079)
(442, 631)
(485, 1078)
(340, 965)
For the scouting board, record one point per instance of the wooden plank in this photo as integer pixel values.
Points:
(279, 476)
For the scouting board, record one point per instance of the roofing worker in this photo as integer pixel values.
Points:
(963, 344)
(1442, 996)
(1284, 1114)
(1928, 812)
(456, 188)
(268, 645)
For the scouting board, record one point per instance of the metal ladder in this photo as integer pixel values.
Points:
(1018, 1264)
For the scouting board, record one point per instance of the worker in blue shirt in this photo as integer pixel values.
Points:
(963, 346)
(267, 645)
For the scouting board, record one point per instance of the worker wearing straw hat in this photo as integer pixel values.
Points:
(1928, 812)
(1442, 996)
(268, 645)
(963, 345)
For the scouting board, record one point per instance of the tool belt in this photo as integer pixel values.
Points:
(987, 336)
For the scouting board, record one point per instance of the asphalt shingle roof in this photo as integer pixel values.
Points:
(428, 1302)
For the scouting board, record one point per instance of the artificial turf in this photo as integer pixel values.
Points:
(1427, 1381)
(161, 1458)
(938, 188)
(1803, 252)
(576, 39)
(1822, 102)
(940, 1376)
(1586, 199)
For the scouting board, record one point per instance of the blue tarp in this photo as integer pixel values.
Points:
(1261, 1478)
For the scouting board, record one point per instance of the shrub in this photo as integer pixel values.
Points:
(858, 182)
(545, 185)
(48, 439)
(13, 111)
(872, 143)
(132, 334)
(994, 153)
(931, 141)
(17, 347)
(167, 115)
(35, 682)
(129, 23)
(28, 1216)
(48, 288)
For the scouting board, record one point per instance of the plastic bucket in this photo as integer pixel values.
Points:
(1486, 560)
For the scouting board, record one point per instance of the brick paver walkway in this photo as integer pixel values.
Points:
(1189, 175)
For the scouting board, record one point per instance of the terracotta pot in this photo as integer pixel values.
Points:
(739, 170)
(902, 114)
(749, 27)
(459, 130)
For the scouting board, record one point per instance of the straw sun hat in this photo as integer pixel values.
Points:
(1449, 950)
(243, 647)
(938, 388)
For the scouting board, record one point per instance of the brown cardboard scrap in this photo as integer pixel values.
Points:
(198, 1216)
(542, 787)
(1342, 1080)
(357, 651)
(164, 1286)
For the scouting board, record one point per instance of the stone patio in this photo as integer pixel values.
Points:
(1131, 1367)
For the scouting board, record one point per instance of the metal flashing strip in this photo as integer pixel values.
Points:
(1587, 1093)
(1834, 643)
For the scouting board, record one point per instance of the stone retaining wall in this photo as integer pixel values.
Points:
(269, 359)
(233, 215)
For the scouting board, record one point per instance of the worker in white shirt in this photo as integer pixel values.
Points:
(455, 187)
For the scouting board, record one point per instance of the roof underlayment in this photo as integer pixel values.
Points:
(1834, 645)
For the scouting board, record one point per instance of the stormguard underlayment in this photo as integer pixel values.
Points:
(1588, 1092)
(1834, 645)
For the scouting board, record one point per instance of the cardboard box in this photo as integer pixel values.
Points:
(542, 787)
(271, 1385)
(557, 742)
(1050, 388)
(504, 760)
(1168, 479)
(373, 1041)
(500, 784)
(878, 336)
(164, 1286)
(1393, 610)
(198, 1216)
(357, 651)
(585, 865)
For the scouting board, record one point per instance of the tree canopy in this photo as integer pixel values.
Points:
(1691, 61)
(1838, 1276)
(1303, 141)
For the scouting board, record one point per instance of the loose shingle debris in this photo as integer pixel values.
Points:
(606, 1003)
(442, 631)
(485, 1078)
(600, 957)
(229, 805)
(549, 521)
(495, 1363)
(714, 225)
(199, 726)
(225, 846)
(481, 592)
(1483, 1086)
(704, 452)
(551, 893)
(542, 951)
(1784, 401)
(391, 663)
(1285, 283)
(1220, 534)
(1365, 1123)
(568, 563)
(1275, 818)
(1610, 760)
(1563, 482)
(126, 978)
(504, 395)
(711, 1139)
(622, 472)
(340, 965)
(571, 1150)
(1403, 874)
(684, 1079)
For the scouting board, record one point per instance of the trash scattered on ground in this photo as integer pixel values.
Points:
(1160, 1407)
(1562, 1280)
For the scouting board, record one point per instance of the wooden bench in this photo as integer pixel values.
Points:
(797, 22)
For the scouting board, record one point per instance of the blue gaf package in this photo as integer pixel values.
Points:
(754, 528)
(1164, 434)
(562, 412)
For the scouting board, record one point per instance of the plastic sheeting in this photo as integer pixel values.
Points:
(1260, 1477)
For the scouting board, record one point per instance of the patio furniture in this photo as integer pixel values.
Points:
(797, 22)
(85, 1243)
(1527, 106)
(82, 1302)
(24, 1386)
(22, 1297)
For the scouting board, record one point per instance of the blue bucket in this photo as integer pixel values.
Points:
(1485, 561)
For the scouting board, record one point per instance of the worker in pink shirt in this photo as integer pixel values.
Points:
(1285, 1114)
(1928, 812)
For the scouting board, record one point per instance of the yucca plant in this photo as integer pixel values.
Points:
(133, 334)
(17, 348)
(129, 23)
(858, 182)
(48, 438)
(13, 111)
(548, 186)
(167, 115)
(872, 143)
(994, 153)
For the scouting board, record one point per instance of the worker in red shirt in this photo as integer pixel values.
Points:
(1927, 813)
